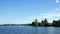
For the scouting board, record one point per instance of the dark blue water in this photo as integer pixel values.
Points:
(29, 30)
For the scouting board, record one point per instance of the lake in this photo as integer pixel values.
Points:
(29, 30)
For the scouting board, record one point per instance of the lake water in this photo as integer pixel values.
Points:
(29, 30)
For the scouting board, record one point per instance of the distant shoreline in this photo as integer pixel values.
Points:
(25, 25)
(43, 23)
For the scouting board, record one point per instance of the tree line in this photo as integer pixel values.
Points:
(45, 23)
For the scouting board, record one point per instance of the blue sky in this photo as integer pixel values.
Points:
(25, 11)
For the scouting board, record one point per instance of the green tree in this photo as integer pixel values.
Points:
(53, 23)
(42, 23)
(46, 23)
(56, 23)
(59, 20)
(35, 23)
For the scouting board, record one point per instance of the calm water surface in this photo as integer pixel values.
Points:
(29, 30)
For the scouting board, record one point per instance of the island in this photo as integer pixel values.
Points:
(43, 23)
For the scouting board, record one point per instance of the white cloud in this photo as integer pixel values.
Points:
(55, 14)
(57, 1)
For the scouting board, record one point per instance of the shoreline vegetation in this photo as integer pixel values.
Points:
(43, 23)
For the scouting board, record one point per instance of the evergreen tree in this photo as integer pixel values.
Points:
(53, 23)
(35, 23)
(45, 22)
(42, 23)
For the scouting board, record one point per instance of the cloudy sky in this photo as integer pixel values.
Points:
(25, 11)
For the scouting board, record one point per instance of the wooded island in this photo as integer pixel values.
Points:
(44, 23)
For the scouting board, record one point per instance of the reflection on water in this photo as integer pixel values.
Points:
(35, 29)
(29, 30)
